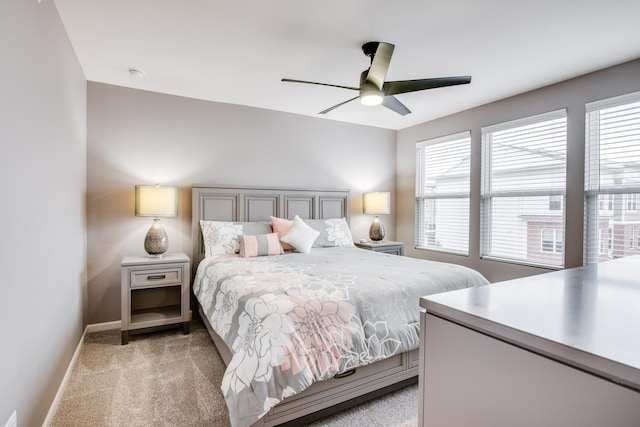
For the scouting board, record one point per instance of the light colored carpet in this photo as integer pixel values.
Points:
(170, 379)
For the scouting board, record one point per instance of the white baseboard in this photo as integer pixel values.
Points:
(65, 381)
(98, 327)
(106, 326)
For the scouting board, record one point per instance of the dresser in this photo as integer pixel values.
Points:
(154, 293)
(557, 349)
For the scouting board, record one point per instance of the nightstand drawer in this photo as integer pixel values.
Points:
(161, 276)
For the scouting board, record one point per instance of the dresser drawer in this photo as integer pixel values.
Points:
(161, 276)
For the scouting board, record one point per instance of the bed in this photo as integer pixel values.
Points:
(304, 334)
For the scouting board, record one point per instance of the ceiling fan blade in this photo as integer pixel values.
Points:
(321, 84)
(337, 105)
(392, 103)
(380, 64)
(404, 86)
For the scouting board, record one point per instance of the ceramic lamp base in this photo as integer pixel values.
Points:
(376, 231)
(156, 242)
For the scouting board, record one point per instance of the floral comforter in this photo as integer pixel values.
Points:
(294, 319)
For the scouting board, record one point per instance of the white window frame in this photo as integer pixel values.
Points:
(426, 234)
(605, 203)
(601, 236)
(488, 193)
(631, 202)
(555, 201)
(555, 242)
(610, 239)
(622, 197)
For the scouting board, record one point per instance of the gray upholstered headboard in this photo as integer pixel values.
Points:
(224, 203)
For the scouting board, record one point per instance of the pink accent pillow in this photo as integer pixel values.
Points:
(259, 245)
(282, 226)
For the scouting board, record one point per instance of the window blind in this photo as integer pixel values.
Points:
(442, 193)
(523, 189)
(612, 178)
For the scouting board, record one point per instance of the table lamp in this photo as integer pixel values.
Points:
(377, 203)
(156, 201)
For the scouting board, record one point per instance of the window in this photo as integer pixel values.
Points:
(551, 240)
(610, 244)
(442, 193)
(612, 175)
(605, 202)
(555, 203)
(631, 202)
(600, 242)
(523, 189)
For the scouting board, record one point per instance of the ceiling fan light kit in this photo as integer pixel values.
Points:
(373, 89)
(371, 96)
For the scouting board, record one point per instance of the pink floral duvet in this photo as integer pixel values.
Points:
(294, 319)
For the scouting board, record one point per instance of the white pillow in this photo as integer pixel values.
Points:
(220, 237)
(333, 232)
(300, 236)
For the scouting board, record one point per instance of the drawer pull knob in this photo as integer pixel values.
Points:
(158, 277)
(345, 374)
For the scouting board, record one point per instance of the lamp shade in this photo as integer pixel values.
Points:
(376, 203)
(156, 200)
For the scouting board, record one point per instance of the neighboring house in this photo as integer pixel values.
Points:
(618, 215)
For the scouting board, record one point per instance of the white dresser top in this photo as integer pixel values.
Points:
(587, 317)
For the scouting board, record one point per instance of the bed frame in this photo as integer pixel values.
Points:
(223, 203)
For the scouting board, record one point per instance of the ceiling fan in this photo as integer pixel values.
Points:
(374, 90)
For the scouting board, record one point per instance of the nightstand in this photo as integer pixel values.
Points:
(155, 292)
(385, 246)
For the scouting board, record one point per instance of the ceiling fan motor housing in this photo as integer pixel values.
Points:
(370, 49)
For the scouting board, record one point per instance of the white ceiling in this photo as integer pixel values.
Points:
(237, 51)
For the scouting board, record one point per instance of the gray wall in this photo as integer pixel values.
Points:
(139, 137)
(42, 213)
(571, 94)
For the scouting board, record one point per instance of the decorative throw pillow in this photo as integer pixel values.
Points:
(301, 236)
(333, 232)
(221, 237)
(260, 245)
(282, 226)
